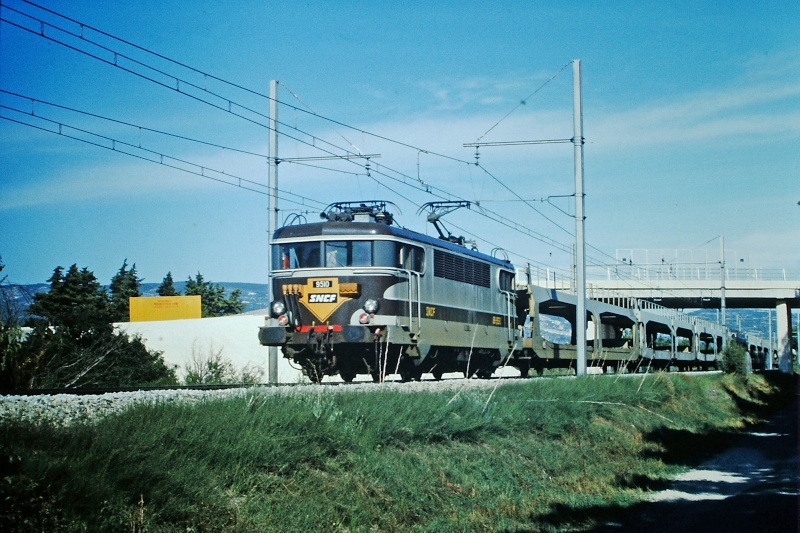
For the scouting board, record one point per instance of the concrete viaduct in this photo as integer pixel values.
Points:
(651, 307)
(739, 289)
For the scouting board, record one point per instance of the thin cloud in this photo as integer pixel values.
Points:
(86, 184)
(763, 111)
(495, 94)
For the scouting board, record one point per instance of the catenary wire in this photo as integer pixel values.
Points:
(124, 123)
(177, 88)
(285, 196)
(230, 102)
(143, 49)
(487, 214)
(499, 182)
(179, 81)
(248, 184)
(523, 101)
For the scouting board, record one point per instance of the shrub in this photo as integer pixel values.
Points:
(735, 359)
(212, 367)
(209, 367)
(102, 357)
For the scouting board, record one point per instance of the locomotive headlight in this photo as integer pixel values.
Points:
(278, 308)
(371, 306)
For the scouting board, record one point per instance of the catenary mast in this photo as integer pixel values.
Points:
(272, 223)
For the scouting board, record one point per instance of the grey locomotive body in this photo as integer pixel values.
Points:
(357, 295)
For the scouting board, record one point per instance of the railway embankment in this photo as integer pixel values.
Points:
(496, 455)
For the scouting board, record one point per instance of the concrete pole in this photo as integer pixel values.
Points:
(272, 224)
(573, 268)
(722, 275)
(771, 349)
(784, 323)
(580, 249)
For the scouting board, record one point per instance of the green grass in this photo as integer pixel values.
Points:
(531, 455)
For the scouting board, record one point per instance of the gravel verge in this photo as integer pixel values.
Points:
(68, 409)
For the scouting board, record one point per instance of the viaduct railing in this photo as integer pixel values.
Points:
(688, 272)
(556, 279)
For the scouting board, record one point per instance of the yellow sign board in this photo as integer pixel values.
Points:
(144, 309)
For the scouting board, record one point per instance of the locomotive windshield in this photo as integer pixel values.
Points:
(352, 253)
(348, 253)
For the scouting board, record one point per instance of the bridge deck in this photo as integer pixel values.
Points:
(742, 294)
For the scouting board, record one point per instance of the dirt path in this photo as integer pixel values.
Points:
(752, 486)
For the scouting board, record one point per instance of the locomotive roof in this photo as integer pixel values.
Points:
(351, 229)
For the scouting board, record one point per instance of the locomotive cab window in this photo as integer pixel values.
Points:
(384, 253)
(411, 258)
(296, 255)
(507, 281)
(356, 253)
(348, 253)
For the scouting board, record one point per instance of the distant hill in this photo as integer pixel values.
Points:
(753, 321)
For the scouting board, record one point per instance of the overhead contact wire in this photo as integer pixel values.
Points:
(231, 103)
(117, 142)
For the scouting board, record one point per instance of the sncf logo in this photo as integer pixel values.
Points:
(328, 298)
(321, 297)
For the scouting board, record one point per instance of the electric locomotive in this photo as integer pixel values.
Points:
(356, 294)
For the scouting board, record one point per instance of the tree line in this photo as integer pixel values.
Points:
(213, 301)
(71, 340)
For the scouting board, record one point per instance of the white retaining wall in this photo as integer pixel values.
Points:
(236, 336)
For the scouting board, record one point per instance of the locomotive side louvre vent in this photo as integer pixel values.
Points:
(457, 268)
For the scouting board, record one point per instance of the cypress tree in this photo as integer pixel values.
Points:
(167, 287)
(212, 297)
(124, 285)
(76, 300)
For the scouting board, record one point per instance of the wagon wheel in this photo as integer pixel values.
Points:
(524, 367)
(409, 371)
(347, 375)
(485, 372)
(406, 374)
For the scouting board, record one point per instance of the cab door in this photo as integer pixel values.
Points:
(412, 262)
(508, 293)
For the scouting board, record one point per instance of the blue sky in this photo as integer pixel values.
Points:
(691, 120)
